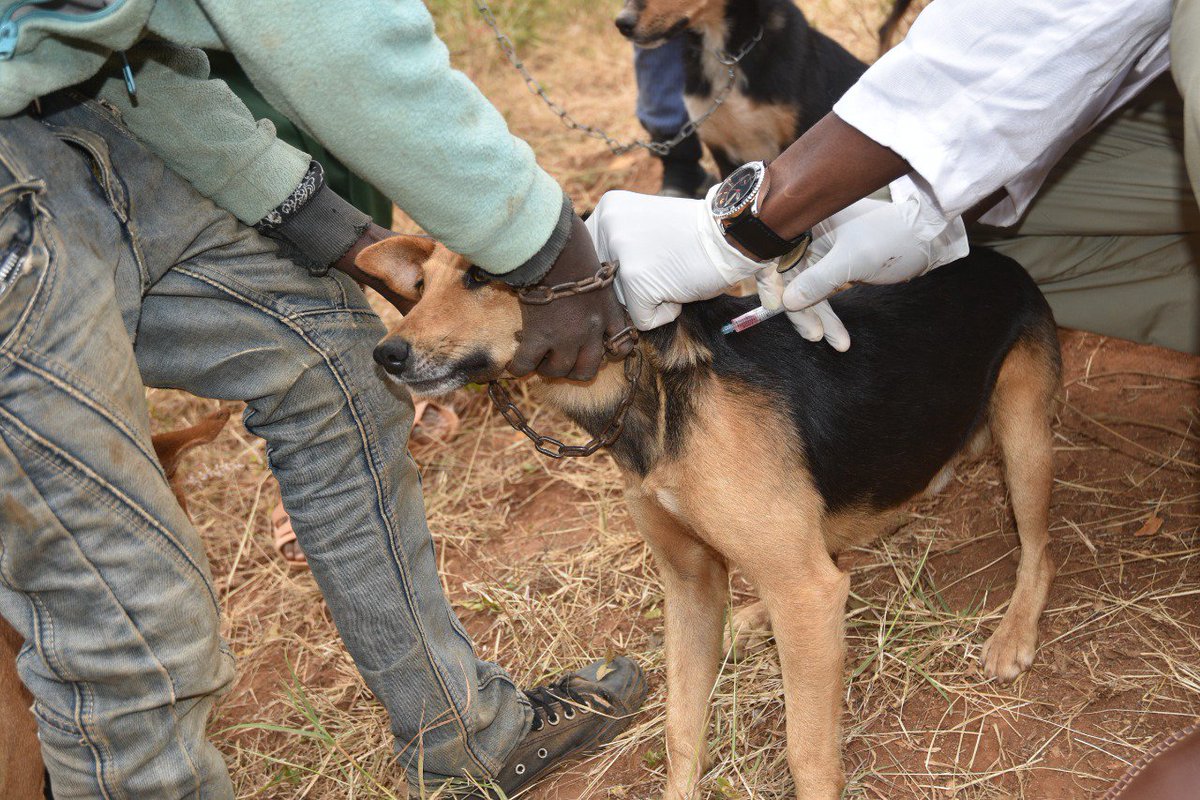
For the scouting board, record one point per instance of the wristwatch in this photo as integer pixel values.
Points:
(735, 206)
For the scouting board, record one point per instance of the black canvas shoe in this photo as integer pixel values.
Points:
(574, 715)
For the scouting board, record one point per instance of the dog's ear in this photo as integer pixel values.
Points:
(399, 262)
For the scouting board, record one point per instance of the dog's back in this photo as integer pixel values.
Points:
(879, 421)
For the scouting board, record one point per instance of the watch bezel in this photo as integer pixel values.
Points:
(731, 210)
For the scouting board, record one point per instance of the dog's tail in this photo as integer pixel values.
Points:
(888, 29)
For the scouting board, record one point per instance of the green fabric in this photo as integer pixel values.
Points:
(1113, 238)
(369, 79)
(1185, 67)
(361, 194)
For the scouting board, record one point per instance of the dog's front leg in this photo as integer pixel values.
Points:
(695, 588)
(807, 609)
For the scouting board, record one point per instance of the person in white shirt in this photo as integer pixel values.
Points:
(1050, 129)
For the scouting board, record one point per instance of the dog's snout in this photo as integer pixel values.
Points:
(392, 354)
(626, 21)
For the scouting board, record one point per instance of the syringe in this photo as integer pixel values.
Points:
(750, 319)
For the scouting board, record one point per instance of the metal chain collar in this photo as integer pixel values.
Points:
(556, 448)
(618, 147)
(541, 294)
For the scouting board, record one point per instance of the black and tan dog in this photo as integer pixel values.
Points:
(768, 453)
(788, 78)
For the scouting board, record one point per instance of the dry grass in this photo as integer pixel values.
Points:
(541, 560)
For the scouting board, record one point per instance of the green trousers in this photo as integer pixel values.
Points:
(1113, 238)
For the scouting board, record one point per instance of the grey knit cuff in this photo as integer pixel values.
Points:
(536, 267)
(314, 227)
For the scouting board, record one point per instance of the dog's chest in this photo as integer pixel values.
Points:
(743, 129)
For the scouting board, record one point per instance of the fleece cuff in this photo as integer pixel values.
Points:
(536, 267)
(314, 227)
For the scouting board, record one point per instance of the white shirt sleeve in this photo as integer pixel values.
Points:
(982, 94)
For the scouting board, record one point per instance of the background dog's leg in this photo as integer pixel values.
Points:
(1021, 426)
(748, 625)
(807, 610)
(695, 587)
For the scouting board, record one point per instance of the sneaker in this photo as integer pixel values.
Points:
(572, 716)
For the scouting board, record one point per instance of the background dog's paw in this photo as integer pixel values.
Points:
(748, 627)
(1009, 652)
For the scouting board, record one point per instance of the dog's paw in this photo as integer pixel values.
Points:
(1009, 652)
(749, 626)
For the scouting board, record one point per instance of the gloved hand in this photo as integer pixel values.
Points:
(670, 251)
(872, 241)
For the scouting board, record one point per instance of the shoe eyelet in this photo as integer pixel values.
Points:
(586, 708)
(553, 720)
(538, 726)
(542, 753)
(520, 769)
(569, 713)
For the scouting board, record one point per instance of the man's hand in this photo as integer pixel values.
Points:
(670, 251)
(565, 338)
(872, 241)
(374, 233)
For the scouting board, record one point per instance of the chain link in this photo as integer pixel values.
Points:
(556, 448)
(540, 294)
(618, 147)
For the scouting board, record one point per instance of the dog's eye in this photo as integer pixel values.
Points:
(474, 277)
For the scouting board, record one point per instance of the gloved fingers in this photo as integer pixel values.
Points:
(647, 317)
(770, 287)
(807, 324)
(835, 332)
(817, 282)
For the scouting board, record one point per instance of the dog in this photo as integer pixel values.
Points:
(21, 770)
(788, 78)
(769, 453)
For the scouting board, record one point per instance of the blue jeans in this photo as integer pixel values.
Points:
(115, 273)
(659, 74)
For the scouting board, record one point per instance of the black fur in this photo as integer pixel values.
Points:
(794, 64)
(878, 422)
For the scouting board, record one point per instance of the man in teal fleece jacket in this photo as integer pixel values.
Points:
(144, 214)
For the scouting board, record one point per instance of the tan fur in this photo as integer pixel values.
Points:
(20, 755)
(744, 129)
(703, 515)
(657, 17)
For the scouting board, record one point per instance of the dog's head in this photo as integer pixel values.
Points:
(649, 23)
(463, 328)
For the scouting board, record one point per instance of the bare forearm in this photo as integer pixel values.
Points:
(825, 170)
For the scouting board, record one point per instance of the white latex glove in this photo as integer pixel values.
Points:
(670, 251)
(872, 241)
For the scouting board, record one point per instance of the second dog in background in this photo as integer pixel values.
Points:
(788, 77)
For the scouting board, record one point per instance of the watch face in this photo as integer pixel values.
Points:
(738, 190)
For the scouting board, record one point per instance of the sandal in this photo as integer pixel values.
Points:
(285, 538)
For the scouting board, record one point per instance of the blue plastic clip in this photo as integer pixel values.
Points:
(127, 71)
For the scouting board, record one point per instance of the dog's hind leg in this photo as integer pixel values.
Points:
(1021, 411)
(747, 625)
(695, 588)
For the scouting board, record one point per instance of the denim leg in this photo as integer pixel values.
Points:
(224, 317)
(659, 74)
(100, 570)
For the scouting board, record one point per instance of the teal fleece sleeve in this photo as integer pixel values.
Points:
(372, 82)
(200, 129)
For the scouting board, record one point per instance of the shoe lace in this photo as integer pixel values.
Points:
(558, 697)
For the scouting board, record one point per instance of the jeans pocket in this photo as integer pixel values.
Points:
(25, 257)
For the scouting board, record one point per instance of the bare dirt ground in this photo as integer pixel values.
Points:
(541, 560)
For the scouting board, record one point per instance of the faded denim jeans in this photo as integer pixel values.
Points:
(114, 274)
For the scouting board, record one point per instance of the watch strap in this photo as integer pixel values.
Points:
(757, 238)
